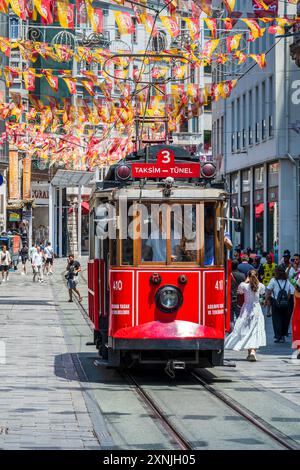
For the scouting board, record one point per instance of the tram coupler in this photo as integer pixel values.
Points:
(171, 366)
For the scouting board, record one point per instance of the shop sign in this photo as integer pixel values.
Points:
(40, 193)
(14, 216)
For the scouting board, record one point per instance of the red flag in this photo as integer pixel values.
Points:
(98, 14)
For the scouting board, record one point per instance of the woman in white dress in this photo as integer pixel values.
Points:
(249, 331)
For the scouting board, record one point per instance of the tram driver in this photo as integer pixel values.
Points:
(155, 248)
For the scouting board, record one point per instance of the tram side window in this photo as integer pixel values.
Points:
(209, 230)
(127, 243)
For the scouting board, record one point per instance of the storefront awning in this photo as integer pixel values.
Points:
(70, 178)
(85, 208)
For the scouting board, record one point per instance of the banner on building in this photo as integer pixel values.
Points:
(27, 178)
(14, 192)
(262, 8)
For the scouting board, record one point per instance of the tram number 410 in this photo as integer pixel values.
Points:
(117, 285)
(219, 285)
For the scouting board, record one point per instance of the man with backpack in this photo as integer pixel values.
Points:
(279, 291)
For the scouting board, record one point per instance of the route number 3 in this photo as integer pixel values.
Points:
(117, 285)
(219, 285)
(166, 156)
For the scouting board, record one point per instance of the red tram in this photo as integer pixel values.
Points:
(158, 278)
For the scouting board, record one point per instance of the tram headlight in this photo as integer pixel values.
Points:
(168, 298)
(208, 170)
(123, 172)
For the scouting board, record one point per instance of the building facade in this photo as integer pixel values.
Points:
(257, 145)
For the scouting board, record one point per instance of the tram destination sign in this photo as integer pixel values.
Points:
(165, 166)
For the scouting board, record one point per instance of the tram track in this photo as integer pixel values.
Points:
(281, 438)
(158, 414)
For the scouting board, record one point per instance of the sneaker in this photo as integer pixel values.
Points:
(252, 357)
(281, 340)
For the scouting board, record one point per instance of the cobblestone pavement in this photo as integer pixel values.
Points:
(42, 405)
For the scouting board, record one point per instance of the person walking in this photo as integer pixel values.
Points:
(37, 265)
(24, 258)
(49, 256)
(73, 269)
(279, 291)
(5, 262)
(236, 279)
(249, 331)
(244, 267)
(258, 267)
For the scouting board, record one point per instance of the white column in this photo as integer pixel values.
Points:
(79, 222)
(60, 222)
(51, 213)
(265, 199)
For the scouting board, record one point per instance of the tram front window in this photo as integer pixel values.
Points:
(183, 222)
(155, 246)
(180, 222)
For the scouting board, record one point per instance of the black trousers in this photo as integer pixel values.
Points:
(281, 319)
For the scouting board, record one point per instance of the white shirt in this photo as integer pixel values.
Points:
(48, 252)
(5, 260)
(37, 259)
(274, 287)
(159, 245)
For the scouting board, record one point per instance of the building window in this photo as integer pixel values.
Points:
(263, 110)
(207, 140)
(250, 104)
(273, 207)
(257, 113)
(14, 28)
(195, 124)
(246, 187)
(134, 35)
(259, 208)
(270, 106)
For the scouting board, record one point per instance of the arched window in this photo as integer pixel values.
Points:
(14, 28)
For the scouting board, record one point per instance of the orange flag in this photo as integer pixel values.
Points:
(51, 79)
(255, 30)
(171, 25)
(65, 12)
(229, 4)
(260, 59)
(193, 26)
(211, 23)
(124, 22)
(29, 79)
(89, 87)
(233, 42)
(148, 22)
(71, 84)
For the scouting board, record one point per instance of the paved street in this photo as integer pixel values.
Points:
(50, 399)
(41, 401)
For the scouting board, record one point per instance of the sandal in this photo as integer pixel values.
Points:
(252, 357)
(80, 300)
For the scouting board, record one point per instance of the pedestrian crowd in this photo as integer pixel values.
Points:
(260, 285)
(41, 258)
